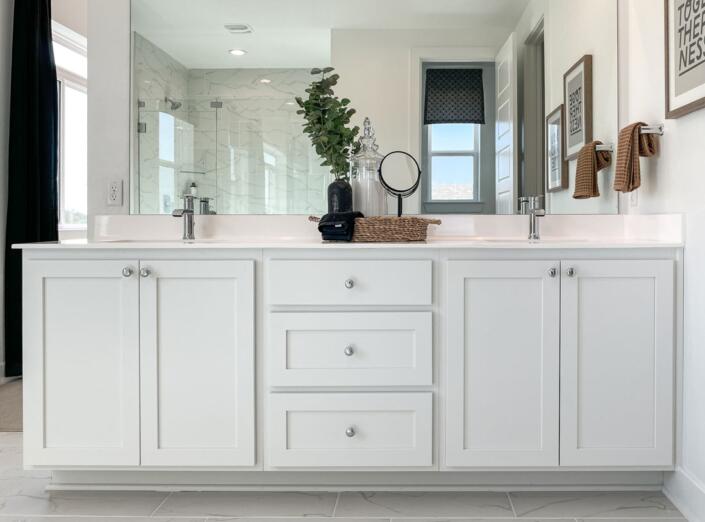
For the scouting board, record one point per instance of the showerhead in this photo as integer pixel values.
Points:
(173, 104)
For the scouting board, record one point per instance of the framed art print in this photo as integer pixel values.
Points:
(556, 168)
(577, 98)
(685, 57)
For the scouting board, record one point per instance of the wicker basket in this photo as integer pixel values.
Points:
(390, 229)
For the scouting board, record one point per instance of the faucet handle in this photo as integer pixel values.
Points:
(180, 212)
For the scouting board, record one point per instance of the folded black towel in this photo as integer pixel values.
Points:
(338, 226)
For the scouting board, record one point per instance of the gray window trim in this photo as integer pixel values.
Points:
(486, 202)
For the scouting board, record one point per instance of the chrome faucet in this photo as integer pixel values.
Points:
(533, 206)
(188, 214)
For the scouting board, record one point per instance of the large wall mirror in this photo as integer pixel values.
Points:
(214, 84)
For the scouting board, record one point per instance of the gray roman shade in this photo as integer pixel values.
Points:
(454, 95)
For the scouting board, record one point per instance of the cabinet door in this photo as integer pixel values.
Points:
(617, 363)
(502, 359)
(197, 362)
(81, 363)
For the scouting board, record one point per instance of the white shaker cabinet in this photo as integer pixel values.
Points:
(449, 361)
(617, 352)
(197, 362)
(502, 363)
(81, 363)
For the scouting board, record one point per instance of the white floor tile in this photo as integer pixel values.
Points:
(419, 504)
(28, 497)
(248, 504)
(626, 504)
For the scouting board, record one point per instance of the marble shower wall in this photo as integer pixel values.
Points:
(265, 164)
(236, 135)
(156, 76)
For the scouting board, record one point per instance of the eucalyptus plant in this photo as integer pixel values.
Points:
(327, 119)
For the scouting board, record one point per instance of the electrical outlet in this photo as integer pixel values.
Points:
(115, 194)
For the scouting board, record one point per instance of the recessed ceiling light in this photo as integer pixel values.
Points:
(238, 28)
(237, 52)
(289, 103)
(265, 80)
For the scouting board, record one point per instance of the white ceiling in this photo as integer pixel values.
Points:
(296, 33)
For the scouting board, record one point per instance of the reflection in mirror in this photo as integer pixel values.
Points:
(464, 87)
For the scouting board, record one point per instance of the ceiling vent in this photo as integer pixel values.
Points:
(238, 28)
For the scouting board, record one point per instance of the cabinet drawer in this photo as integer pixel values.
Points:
(349, 282)
(349, 430)
(355, 349)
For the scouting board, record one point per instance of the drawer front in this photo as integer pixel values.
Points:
(349, 282)
(353, 349)
(349, 430)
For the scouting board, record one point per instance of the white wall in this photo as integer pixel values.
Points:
(72, 14)
(673, 181)
(6, 9)
(571, 30)
(375, 70)
(108, 104)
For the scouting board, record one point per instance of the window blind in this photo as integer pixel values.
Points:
(454, 95)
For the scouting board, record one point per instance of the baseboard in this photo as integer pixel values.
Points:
(687, 493)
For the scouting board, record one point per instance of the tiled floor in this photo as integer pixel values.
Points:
(23, 499)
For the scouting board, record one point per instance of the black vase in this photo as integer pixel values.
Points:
(340, 197)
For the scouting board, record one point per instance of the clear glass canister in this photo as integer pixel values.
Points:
(369, 196)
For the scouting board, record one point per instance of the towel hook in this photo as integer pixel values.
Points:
(605, 147)
(652, 129)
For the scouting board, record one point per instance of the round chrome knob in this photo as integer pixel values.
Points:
(145, 272)
(571, 272)
(126, 272)
(349, 350)
(349, 283)
(350, 432)
(552, 272)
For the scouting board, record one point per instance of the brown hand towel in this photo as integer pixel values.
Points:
(631, 145)
(590, 162)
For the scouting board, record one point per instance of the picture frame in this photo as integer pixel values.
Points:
(684, 71)
(577, 99)
(556, 168)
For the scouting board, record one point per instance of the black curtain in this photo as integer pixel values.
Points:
(32, 202)
(454, 95)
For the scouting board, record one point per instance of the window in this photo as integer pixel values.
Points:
(458, 158)
(72, 75)
(453, 150)
(167, 163)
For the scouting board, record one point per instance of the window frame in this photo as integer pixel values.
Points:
(483, 182)
(77, 43)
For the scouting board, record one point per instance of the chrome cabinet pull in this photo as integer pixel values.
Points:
(350, 432)
(571, 272)
(349, 350)
(145, 272)
(349, 283)
(552, 272)
(127, 272)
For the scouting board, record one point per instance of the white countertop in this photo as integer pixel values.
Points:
(306, 243)
(129, 232)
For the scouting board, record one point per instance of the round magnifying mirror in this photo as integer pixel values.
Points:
(400, 176)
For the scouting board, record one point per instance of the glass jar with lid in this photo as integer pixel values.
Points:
(369, 196)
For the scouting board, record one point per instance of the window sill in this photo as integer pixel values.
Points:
(72, 232)
(453, 207)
